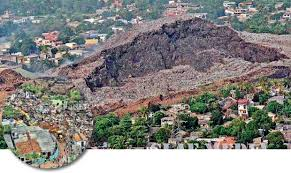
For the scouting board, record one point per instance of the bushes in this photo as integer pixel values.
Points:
(28, 87)
(2, 141)
(75, 95)
(274, 107)
(120, 133)
(188, 123)
(198, 107)
(11, 112)
(157, 117)
(162, 135)
(276, 141)
(204, 103)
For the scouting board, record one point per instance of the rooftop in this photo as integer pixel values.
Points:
(35, 136)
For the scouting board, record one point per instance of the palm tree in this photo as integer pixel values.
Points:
(144, 112)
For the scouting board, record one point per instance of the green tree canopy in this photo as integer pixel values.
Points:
(276, 140)
(162, 135)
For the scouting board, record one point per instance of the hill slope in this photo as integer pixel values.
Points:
(168, 56)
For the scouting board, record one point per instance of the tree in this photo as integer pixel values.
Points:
(276, 140)
(261, 97)
(287, 110)
(143, 112)
(274, 107)
(117, 142)
(24, 44)
(137, 136)
(117, 130)
(198, 107)
(252, 110)
(199, 144)
(125, 122)
(157, 117)
(79, 40)
(162, 135)
(236, 127)
(187, 122)
(225, 92)
(219, 131)
(217, 118)
(65, 34)
(2, 141)
(154, 107)
(262, 120)
(207, 98)
(249, 133)
(102, 125)
(238, 94)
(54, 51)
(237, 25)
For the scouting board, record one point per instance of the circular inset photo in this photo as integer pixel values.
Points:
(47, 123)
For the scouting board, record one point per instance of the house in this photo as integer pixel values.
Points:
(258, 143)
(20, 20)
(252, 10)
(203, 120)
(102, 37)
(77, 52)
(229, 12)
(117, 29)
(30, 58)
(131, 7)
(36, 21)
(91, 42)
(286, 16)
(286, 131)
(278, 99)
(168, 121)
(180, 108)
(7, 15)
(174, 141)
(166, 146)
(279, 6)
(227, 4)
(201, 15)
(72, 45)
(51, 36)
(154, 145)
(79, 142)
(243, 108)
(226, 105)
(193, 136)
(243, 17)
(225, 143)
(74, 24)
(246, 5)
(28, 140)
(91, 20)
(273, 116)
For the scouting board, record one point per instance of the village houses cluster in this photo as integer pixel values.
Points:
(242, 11)
(49, 127)
(245, 10)
(51, 40)
(232, 109)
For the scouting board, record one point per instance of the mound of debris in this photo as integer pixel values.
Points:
(165, 58)
(164, 44)
(9, 79)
